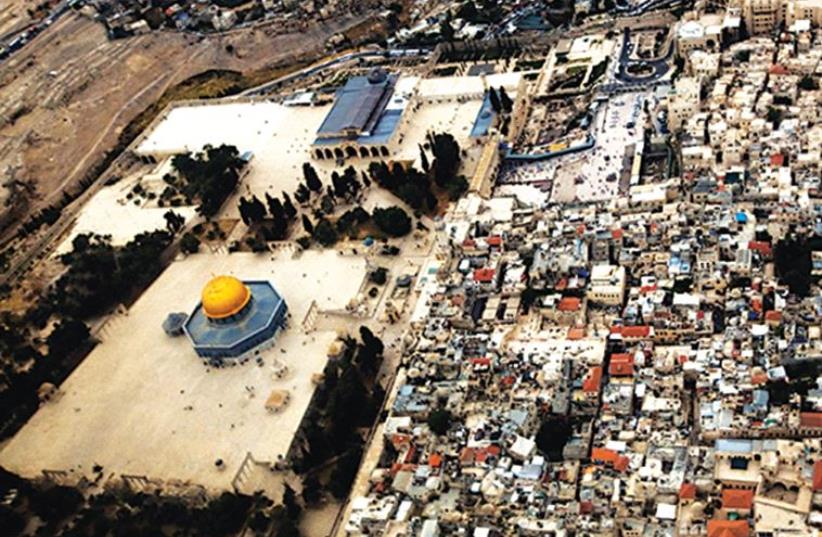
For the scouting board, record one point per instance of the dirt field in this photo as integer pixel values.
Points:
(65, 98)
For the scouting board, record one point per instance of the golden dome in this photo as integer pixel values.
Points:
(224, 296)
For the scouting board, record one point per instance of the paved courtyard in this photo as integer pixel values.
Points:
(589, 175)
(281, 136)
(142, 403)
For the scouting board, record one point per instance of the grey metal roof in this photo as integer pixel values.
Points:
(357, 106)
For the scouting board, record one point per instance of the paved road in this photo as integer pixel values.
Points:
(659, 66)
(313, 69)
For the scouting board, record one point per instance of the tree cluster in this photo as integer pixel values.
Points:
(792, 258)
(348, 398)
(500, 101)
(552, 436)
(447, 160)
(209, 176)
(392, 221)
(98, 275)
(65, 513)
(272, 219)
(417, 188)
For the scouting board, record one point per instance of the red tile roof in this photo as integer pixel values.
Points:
(604, 455)
(467, 455)
(687, 491)
(759, 378)
(576, 333)
(817, 475)
(777, 69)
(728, 528)
(484, 275)
(763, 247)
(737, 499)
(569, 303)
(592, 380)
(810, 419)
(632, 331)
(621, 464)
(484, 453)
(621, 365)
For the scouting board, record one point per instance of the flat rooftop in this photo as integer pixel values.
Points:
(143, 403)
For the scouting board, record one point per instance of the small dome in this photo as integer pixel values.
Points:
(224, 296)
(377, 76)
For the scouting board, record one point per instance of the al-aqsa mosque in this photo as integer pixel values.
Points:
(234, 317)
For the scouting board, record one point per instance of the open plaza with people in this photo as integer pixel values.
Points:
(167, 415)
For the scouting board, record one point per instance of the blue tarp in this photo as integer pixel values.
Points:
(484, 118)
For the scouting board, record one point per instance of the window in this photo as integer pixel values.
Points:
(739, 463)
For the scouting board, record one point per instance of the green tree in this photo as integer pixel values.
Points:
(324, 233)
(392, 221)
(312, 490)
(189, 244)
(292, 505)
(426, 166)
(439, 421)
(288, 207)
(446, 158)
(307, 225)
(302, 195)
(774, 116)
(808, 83)
(210, 176)
(174, 222)
(312, 180)
(342, 477)
(446, 30)
(505, 101)
(371, 342)
(468, 12)
(496, 105)
(67, 336)
(552, 436)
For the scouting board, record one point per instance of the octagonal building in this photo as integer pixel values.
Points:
(235, 317)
